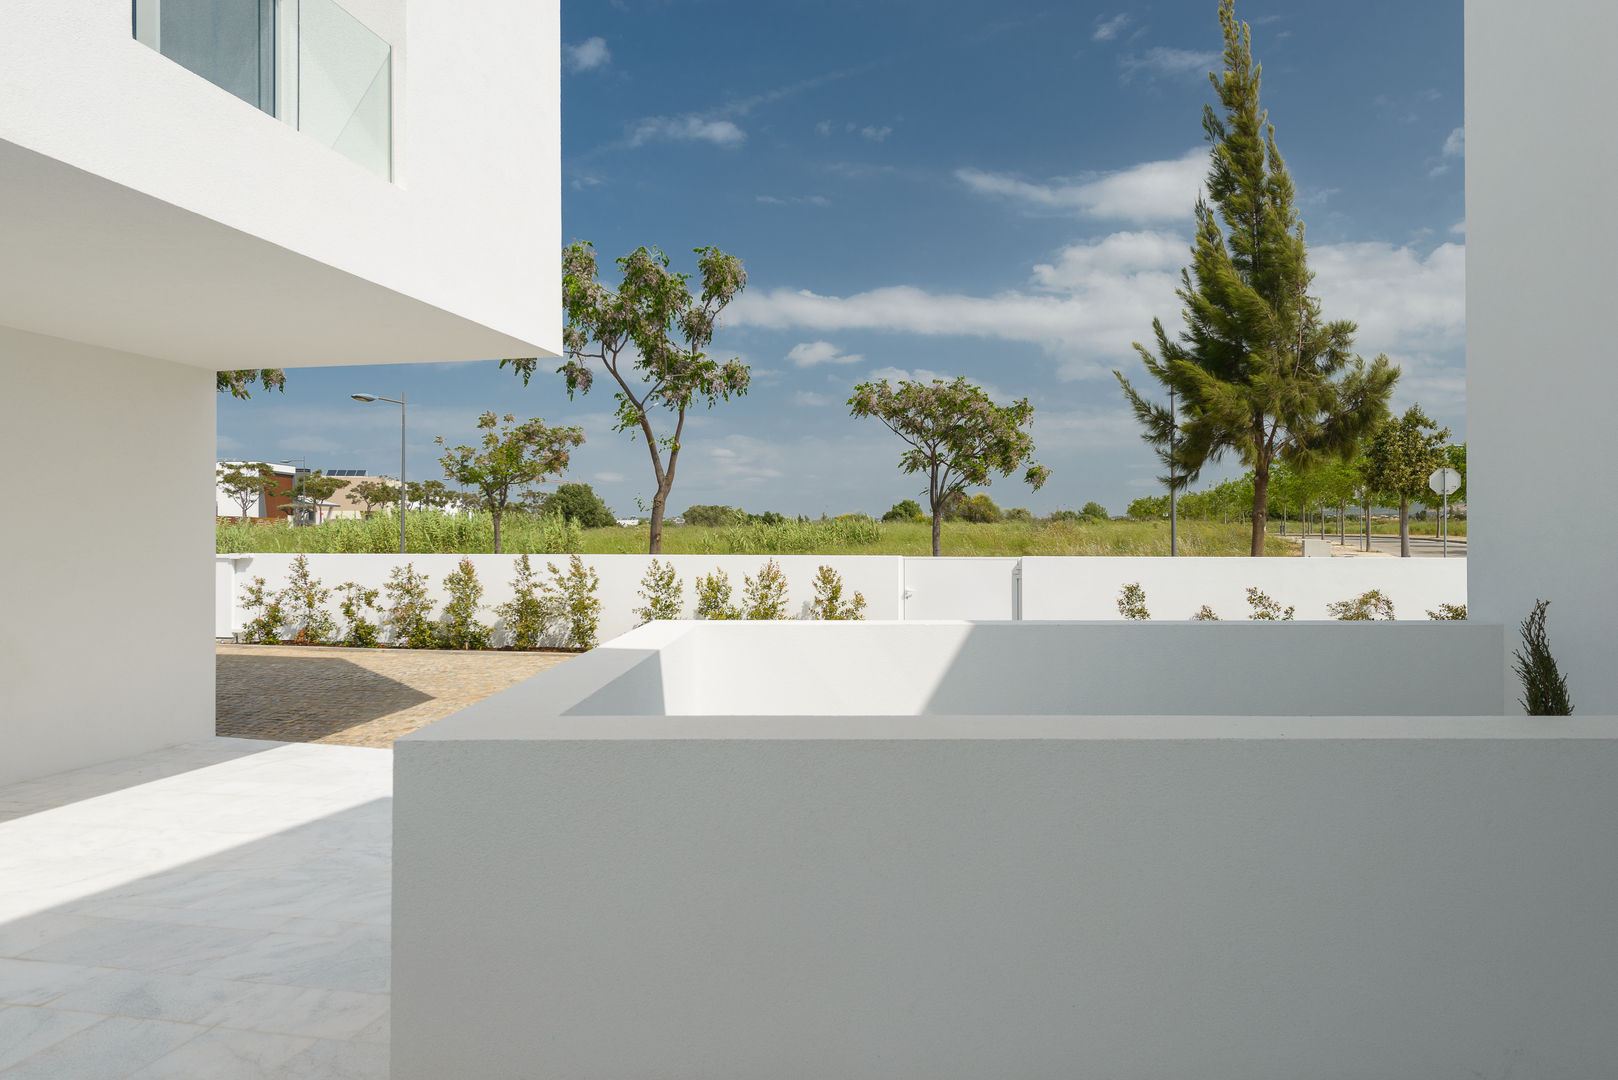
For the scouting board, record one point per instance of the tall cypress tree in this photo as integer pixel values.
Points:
(1256, 373)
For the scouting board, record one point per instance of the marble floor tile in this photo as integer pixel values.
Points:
(108, 1050)
(226, 1054)
(26, 1030)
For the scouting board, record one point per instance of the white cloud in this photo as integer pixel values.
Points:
(744, 459)
(793, 200)
(1155, 191)
(810, 353)
(1161, 62)
(1455, 145)
(1093, 300)
(687, 128)
(809, 398)
(872, 133)
(588, 55)
(580, 183)
(897, 375)
(824, 127)
(1108, 29)
(1402, 301)
(1459, 228)
(608, 477)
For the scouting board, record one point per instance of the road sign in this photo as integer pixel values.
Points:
(1444, 481)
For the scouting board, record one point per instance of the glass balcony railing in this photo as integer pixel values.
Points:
(309, 62)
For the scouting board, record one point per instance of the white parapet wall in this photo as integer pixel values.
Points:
(588, 885)
(896, 587)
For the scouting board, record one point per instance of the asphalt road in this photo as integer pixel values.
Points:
(1421, 547)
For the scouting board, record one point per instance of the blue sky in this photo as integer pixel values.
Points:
(919, 187)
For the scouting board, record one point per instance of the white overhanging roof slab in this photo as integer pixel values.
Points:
(90, 260)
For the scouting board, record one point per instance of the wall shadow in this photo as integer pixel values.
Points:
(301, 698)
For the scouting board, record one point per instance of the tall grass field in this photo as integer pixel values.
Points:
(428, 532)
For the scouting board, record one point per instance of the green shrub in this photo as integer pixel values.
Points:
(526, 615)
(357, 600)
(303, 601)
(265, 627)
(1132, 602)
(1205, 614)
(713, 597)
(1265, 609)
(1544, 688)
(765, 597)
(575, 602)
(662, 591)
(459, 627)
(1094, 511)
(978, 509)
(1367, 607)
(1018, 513)
(409, 614)
(713, 515)
(580, 504)
(426, 531)
(905, 510)
(828, 602)
(1448, 613)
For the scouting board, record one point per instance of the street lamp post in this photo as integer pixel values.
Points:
(399, 401)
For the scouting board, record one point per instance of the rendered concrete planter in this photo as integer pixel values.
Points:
(864, 851)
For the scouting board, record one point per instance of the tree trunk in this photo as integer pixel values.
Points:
(1404, 527)
(1261, 507)
(938, 529)
(495, 515)
(659, 500)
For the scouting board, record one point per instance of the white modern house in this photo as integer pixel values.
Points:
(191, 185)
(746, 852)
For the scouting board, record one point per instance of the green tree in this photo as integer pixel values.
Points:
(904, 510)
(1256, 372)
(580, 503)
(1400, 457)
(1094, 511)
(663, 592)
(651, 336)
(1148, 507)
(459, 627)
(713, 516)
(238, 384)
(978, 509)
(246, 482)
(513, 458)
(379, 491)
(958, 436)
(309, 491)
(432, 494)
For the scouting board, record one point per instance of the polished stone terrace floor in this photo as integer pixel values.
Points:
(218, 910)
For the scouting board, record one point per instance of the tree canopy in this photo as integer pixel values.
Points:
(651, 336)
(1257, 372)
(238, 384)
(958, 436)
(246, 482)
(1398, 460)
(513, 458)
(579, 502)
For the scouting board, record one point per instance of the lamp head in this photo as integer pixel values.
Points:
(363, 397)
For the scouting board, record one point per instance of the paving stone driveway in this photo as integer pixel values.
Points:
(357, 697)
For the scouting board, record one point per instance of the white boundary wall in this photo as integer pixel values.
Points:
(922, 588)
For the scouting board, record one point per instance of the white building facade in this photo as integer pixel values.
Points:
(375, 201)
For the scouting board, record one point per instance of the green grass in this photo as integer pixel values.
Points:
(438, 533)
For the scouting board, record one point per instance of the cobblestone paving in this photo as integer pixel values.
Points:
(357, 697)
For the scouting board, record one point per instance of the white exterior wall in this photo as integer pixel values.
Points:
(925, 588)
(1539, 279)
(104, 644)
(736, 897)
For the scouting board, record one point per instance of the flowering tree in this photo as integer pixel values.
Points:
(650, 336)
(957, 435)
(512, 458)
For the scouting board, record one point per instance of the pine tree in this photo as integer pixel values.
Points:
(1257, 372)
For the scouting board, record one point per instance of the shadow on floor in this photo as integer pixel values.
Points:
(301, 698)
